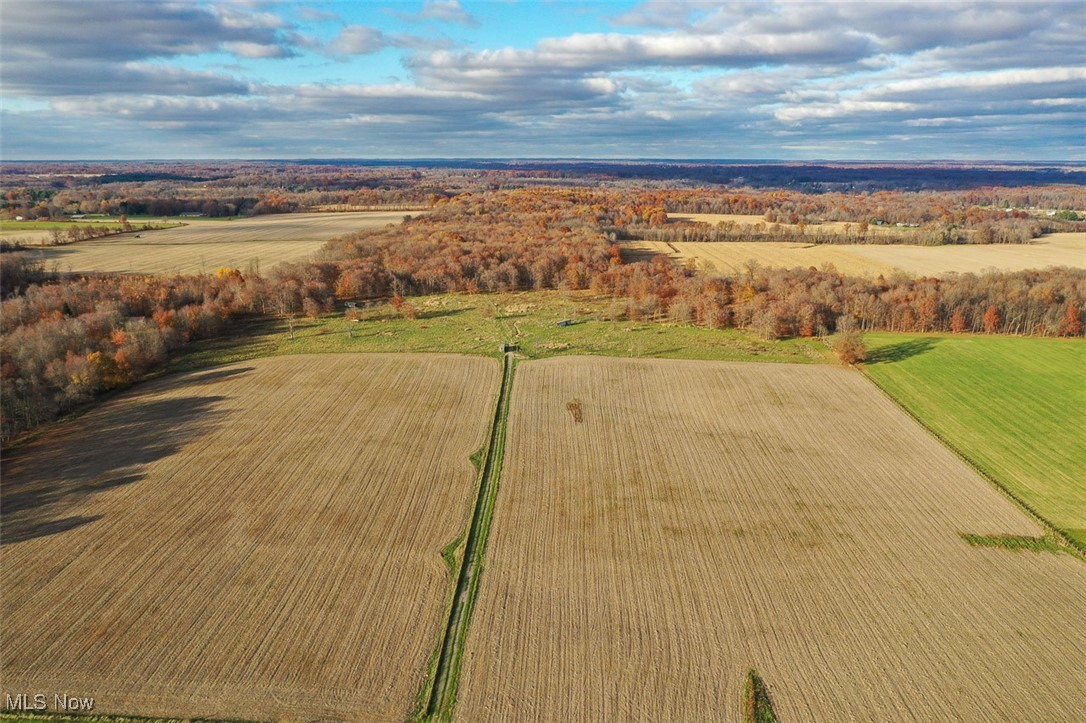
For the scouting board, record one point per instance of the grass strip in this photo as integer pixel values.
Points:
(1013, 542)
(447, 676)
(448, 554)
(757, 705)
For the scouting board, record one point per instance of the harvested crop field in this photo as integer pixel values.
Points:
(693, 520)
(731, 257)
(205, 245)
(713, 219)
(260, 541)
(1058, 249)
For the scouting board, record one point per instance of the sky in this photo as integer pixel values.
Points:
(879, 79)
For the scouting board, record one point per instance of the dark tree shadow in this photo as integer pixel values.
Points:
(632, 255)
(47, 483)
(902, 350)
(20, 533)
(390, 315)
(441, 313)
(201, 378)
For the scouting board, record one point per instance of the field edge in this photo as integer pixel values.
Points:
(1054, 539)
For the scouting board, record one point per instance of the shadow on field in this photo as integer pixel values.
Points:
(49, 483)
(440, 313)
(214, 376)
(903, 350)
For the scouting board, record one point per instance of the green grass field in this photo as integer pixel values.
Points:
(477, 324)
(12, 229)
(13, 226)
(1015, 406)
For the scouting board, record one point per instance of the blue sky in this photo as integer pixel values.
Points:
(882, 79)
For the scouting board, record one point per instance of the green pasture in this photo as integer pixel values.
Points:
(477, 324)
(1015, 406)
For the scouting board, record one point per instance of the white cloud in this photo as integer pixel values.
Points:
(753, 77)
(1059, 102)
(246, 49)
(600, 51)
(448, 11)
(358, 40)
(364, 40)
(839, 109)
(995, 79)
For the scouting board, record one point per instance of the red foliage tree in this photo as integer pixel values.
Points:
(957, 321)
(1072, 320)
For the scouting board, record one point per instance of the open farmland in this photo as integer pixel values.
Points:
(41, 232)
(205, 245)
(664, 526)
(713, 219)
(1016, 406)
(731, 257)
(260, 541)
(1058, 249)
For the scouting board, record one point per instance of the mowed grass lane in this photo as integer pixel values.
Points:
(262, 541)
(1015, 406)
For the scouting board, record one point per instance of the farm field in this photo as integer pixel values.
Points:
(204, 245)
(267, 539)
(1016, 406)
(663, 520)
(749, 220)
(731, 257)
(35, 232)
(1059, 249)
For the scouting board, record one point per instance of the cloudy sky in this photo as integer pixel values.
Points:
(452, 78)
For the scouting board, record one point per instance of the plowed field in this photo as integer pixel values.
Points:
(261, 541)
(663, 526)
(203, 245)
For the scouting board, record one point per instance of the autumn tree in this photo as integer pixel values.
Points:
(957, 321)
(850, 347)
(992, 320)
(1072, 320)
